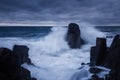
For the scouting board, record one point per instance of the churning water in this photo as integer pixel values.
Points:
(50, 53)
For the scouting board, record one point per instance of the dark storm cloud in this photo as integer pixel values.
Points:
(90, 11)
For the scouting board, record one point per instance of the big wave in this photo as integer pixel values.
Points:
(51, 55)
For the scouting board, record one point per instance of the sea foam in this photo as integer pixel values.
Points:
(51, 55)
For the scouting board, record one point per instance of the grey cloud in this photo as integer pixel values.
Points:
(91, 11)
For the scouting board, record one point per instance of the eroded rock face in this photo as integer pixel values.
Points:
(114, 54)
(21, 52)
(73, 36)
(107, 57)
(98, 52)
(10, 68)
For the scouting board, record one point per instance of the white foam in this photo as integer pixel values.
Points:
(53, 58)
(90, 34)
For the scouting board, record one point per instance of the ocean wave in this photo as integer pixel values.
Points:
(53, 58)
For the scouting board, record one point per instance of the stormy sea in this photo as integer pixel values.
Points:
(50, 53)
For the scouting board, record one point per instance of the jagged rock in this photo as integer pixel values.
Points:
(9, 67)
(113, 59)
(7, 57)
(114, 54)
(98, 52)
(22, 53)
(108, 57)
(73, 36)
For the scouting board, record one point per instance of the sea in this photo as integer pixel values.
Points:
(50, 53)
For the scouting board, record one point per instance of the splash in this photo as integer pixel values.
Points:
(51, 55)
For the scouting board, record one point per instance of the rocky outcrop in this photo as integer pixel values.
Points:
(107, 57)
(98, 52)
(114, 54)
(10, 65)
(21, 52)
(73, 36)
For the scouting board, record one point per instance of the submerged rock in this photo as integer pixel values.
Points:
(73, 36)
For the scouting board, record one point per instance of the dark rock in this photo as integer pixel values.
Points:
(114, 54)
(22, 53)
(7, 57)
(116, 42)
(95, 70)
(114, 59)
(107, 57)
(101, 50)
(93, 56)
(9, 67)
(73, 36)
(18, 73)
(113, 75)
(98, 52)
(3, 76)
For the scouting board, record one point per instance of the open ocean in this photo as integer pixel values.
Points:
(50, 53)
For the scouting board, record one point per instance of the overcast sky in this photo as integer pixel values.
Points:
(48, 12)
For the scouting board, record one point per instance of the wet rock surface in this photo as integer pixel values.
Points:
(106, 57)
(73, 36)
(10, 64)
(21, 52)
(98, 52)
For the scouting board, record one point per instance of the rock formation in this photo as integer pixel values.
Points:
(107, 57)
(73, 36)
(21, 52)
(98, 52)
(10, 64)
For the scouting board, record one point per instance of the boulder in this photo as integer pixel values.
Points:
(22, 53)
(73, 36)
